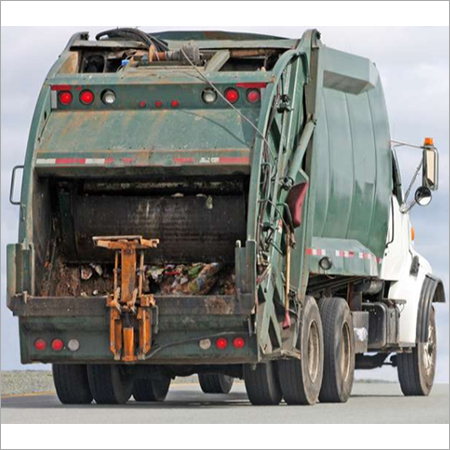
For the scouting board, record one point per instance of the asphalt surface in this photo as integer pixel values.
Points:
(370, 403)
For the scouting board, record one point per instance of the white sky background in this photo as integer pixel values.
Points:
(414, 65)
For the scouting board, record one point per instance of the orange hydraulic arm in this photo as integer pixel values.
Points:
(128, 305)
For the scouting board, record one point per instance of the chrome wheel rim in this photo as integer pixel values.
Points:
(345, 352)
(429, 350)
(313, 351)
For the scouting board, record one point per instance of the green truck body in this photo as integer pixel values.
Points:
(307, 166)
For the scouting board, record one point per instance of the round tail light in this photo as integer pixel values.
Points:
(253, 96)
(108, 97)
(222, 343)
(238, 343)
(209, 96)
(65, 98)
(232, 95)
(86, 97)
(40, 345)
(57, 345)
(175, 104)
(73, 345)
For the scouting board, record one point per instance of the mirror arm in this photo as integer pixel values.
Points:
(406, 207)
(414, 178)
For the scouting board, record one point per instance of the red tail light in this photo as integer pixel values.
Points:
(232, 95)
(158, 104)
(40, 344)
(175, 104)
(65, 98)
(222, 343)
(253, 96)
(57, 345)
(86, 97)
(238, 343)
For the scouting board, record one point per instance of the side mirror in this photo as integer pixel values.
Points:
(423, 196)
(430, 168)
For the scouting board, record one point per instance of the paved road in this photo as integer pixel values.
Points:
(370, 403)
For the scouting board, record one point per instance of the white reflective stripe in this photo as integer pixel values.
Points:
(46, 161)
(53, 99)
(95, 161)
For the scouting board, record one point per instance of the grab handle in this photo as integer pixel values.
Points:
(11, 189)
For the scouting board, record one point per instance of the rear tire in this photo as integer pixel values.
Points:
(416, 370)
(215, 383)
(339, 344)
(72, 384)
(262, 384)
(301, 380)
(151, 390)
(109, 384)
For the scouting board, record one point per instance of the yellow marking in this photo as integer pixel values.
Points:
(34, 394)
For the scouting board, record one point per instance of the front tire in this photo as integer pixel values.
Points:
(109, 384)
(416, 370)
(151, 390)
(215, 383)
(339, 343)
(262, 384)
(301, 380)
(72, 384)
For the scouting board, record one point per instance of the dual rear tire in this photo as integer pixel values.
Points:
(78, 384)
(325, 371)
(215, 383)
(151, 390)
(72, 384)
(110, 385)
(339, 360)
(301, 380)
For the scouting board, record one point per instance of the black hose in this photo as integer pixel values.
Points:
(134, 33)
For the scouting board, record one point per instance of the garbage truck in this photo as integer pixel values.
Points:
(222, 204)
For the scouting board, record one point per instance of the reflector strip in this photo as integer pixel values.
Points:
(256, 85)
(70, 161)
(344, 254)
(61, 87)
(214, 160)
(179, 160)
(316, 252)
(234, 160)
(183, 160)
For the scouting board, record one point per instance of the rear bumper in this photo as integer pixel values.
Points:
(179, 323)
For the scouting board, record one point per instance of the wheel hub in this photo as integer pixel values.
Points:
(313, 351)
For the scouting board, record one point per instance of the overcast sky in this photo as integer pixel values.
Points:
(414, 66)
